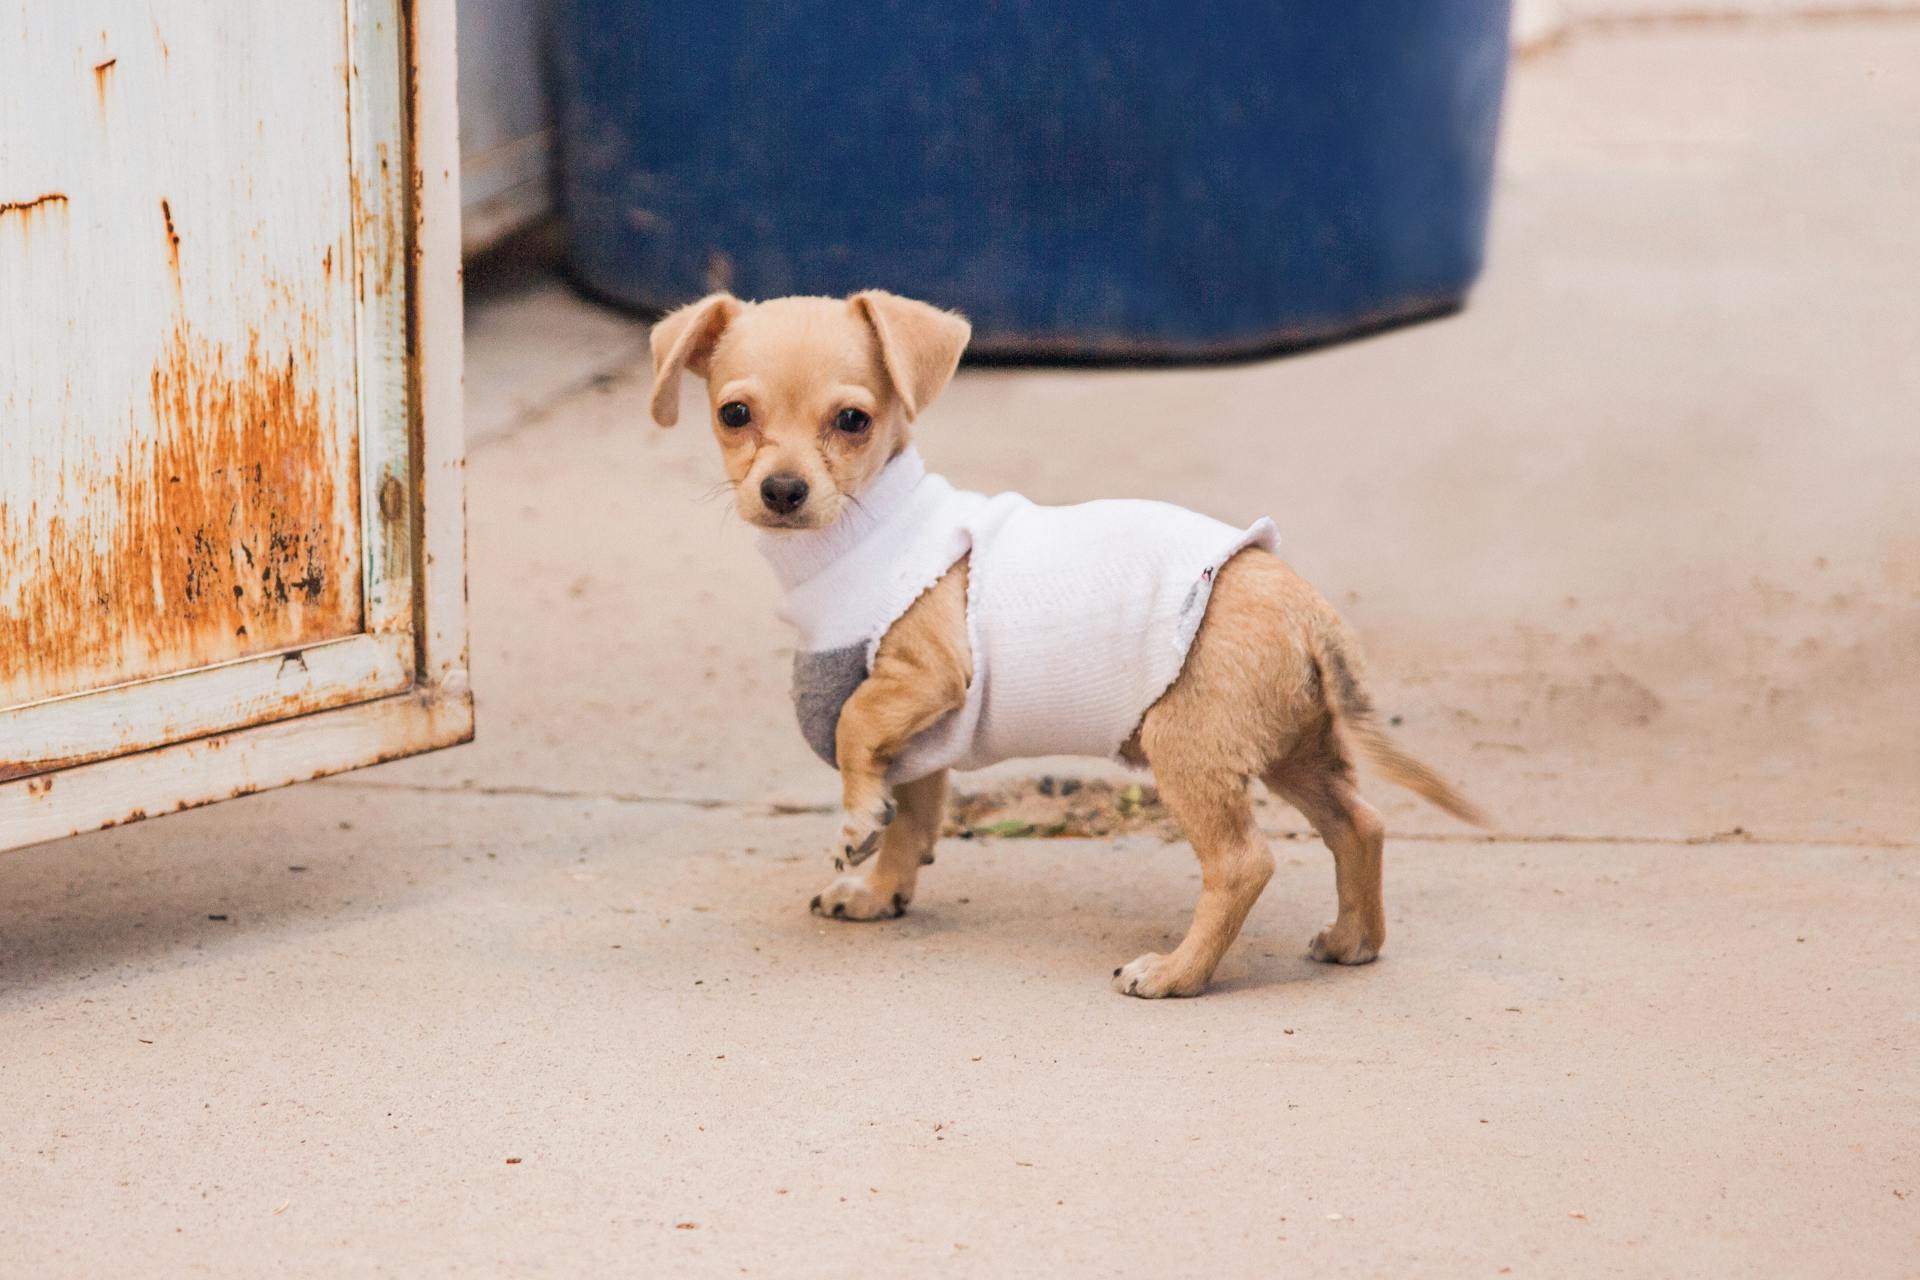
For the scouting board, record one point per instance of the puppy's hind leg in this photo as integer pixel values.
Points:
(1216, 813)
(883, 890)
(1318, 781)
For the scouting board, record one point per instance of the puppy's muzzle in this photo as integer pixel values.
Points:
(784, 493)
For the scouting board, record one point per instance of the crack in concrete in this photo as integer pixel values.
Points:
(1715, 838)
(784, 809)
(555, 793)
(1559, 35)
(600, 375)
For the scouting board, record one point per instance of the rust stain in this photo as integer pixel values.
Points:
(40, 785)
(212, 537)
(24, 213)
(416, 214)
(173, 239)
(135, 815)
(377, 227)
(398, 548)
(102, 77)
(25, 207)
(393, 499)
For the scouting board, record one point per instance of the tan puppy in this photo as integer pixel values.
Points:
(810, 398)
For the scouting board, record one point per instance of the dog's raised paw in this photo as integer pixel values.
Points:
(860, 832)
(856, 854)
(850, 897)
(1153, 976)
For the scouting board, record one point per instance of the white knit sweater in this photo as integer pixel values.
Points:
(1079, 617)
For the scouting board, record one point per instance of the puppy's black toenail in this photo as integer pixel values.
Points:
(1116, 972)
(899, 904)
(815, 906)
(848, 849)
(867, 846)
(838, 865)
(839, 908)
(888, 812)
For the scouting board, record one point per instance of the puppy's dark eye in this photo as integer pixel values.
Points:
(735, 414)
(852, 421)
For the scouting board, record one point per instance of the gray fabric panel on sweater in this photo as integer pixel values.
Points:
(822, 683)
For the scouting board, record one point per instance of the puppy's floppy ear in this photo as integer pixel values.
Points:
(919, 344)
(682, 340)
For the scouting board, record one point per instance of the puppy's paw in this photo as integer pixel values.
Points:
(1153, 976)
(1334, 945)
(860, 831)
(852, 898)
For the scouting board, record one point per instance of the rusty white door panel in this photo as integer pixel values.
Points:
(214, 451)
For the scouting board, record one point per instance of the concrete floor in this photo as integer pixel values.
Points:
(1634, 546)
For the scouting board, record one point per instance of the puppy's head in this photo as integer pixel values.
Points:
(809, 397)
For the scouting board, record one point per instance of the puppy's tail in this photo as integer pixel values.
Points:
(1353, 715)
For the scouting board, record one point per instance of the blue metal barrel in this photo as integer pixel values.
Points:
(1083, 178)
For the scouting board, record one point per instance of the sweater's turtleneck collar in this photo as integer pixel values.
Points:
(798, 554)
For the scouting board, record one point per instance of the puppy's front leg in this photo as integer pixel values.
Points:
(920, 673)
(883, 890)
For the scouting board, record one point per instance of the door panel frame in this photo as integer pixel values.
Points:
(82, 727)
(174, 706)
(377, 149)
(127, 789)
(428, 621)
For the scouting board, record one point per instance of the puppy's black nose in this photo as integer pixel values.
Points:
(783, 493)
